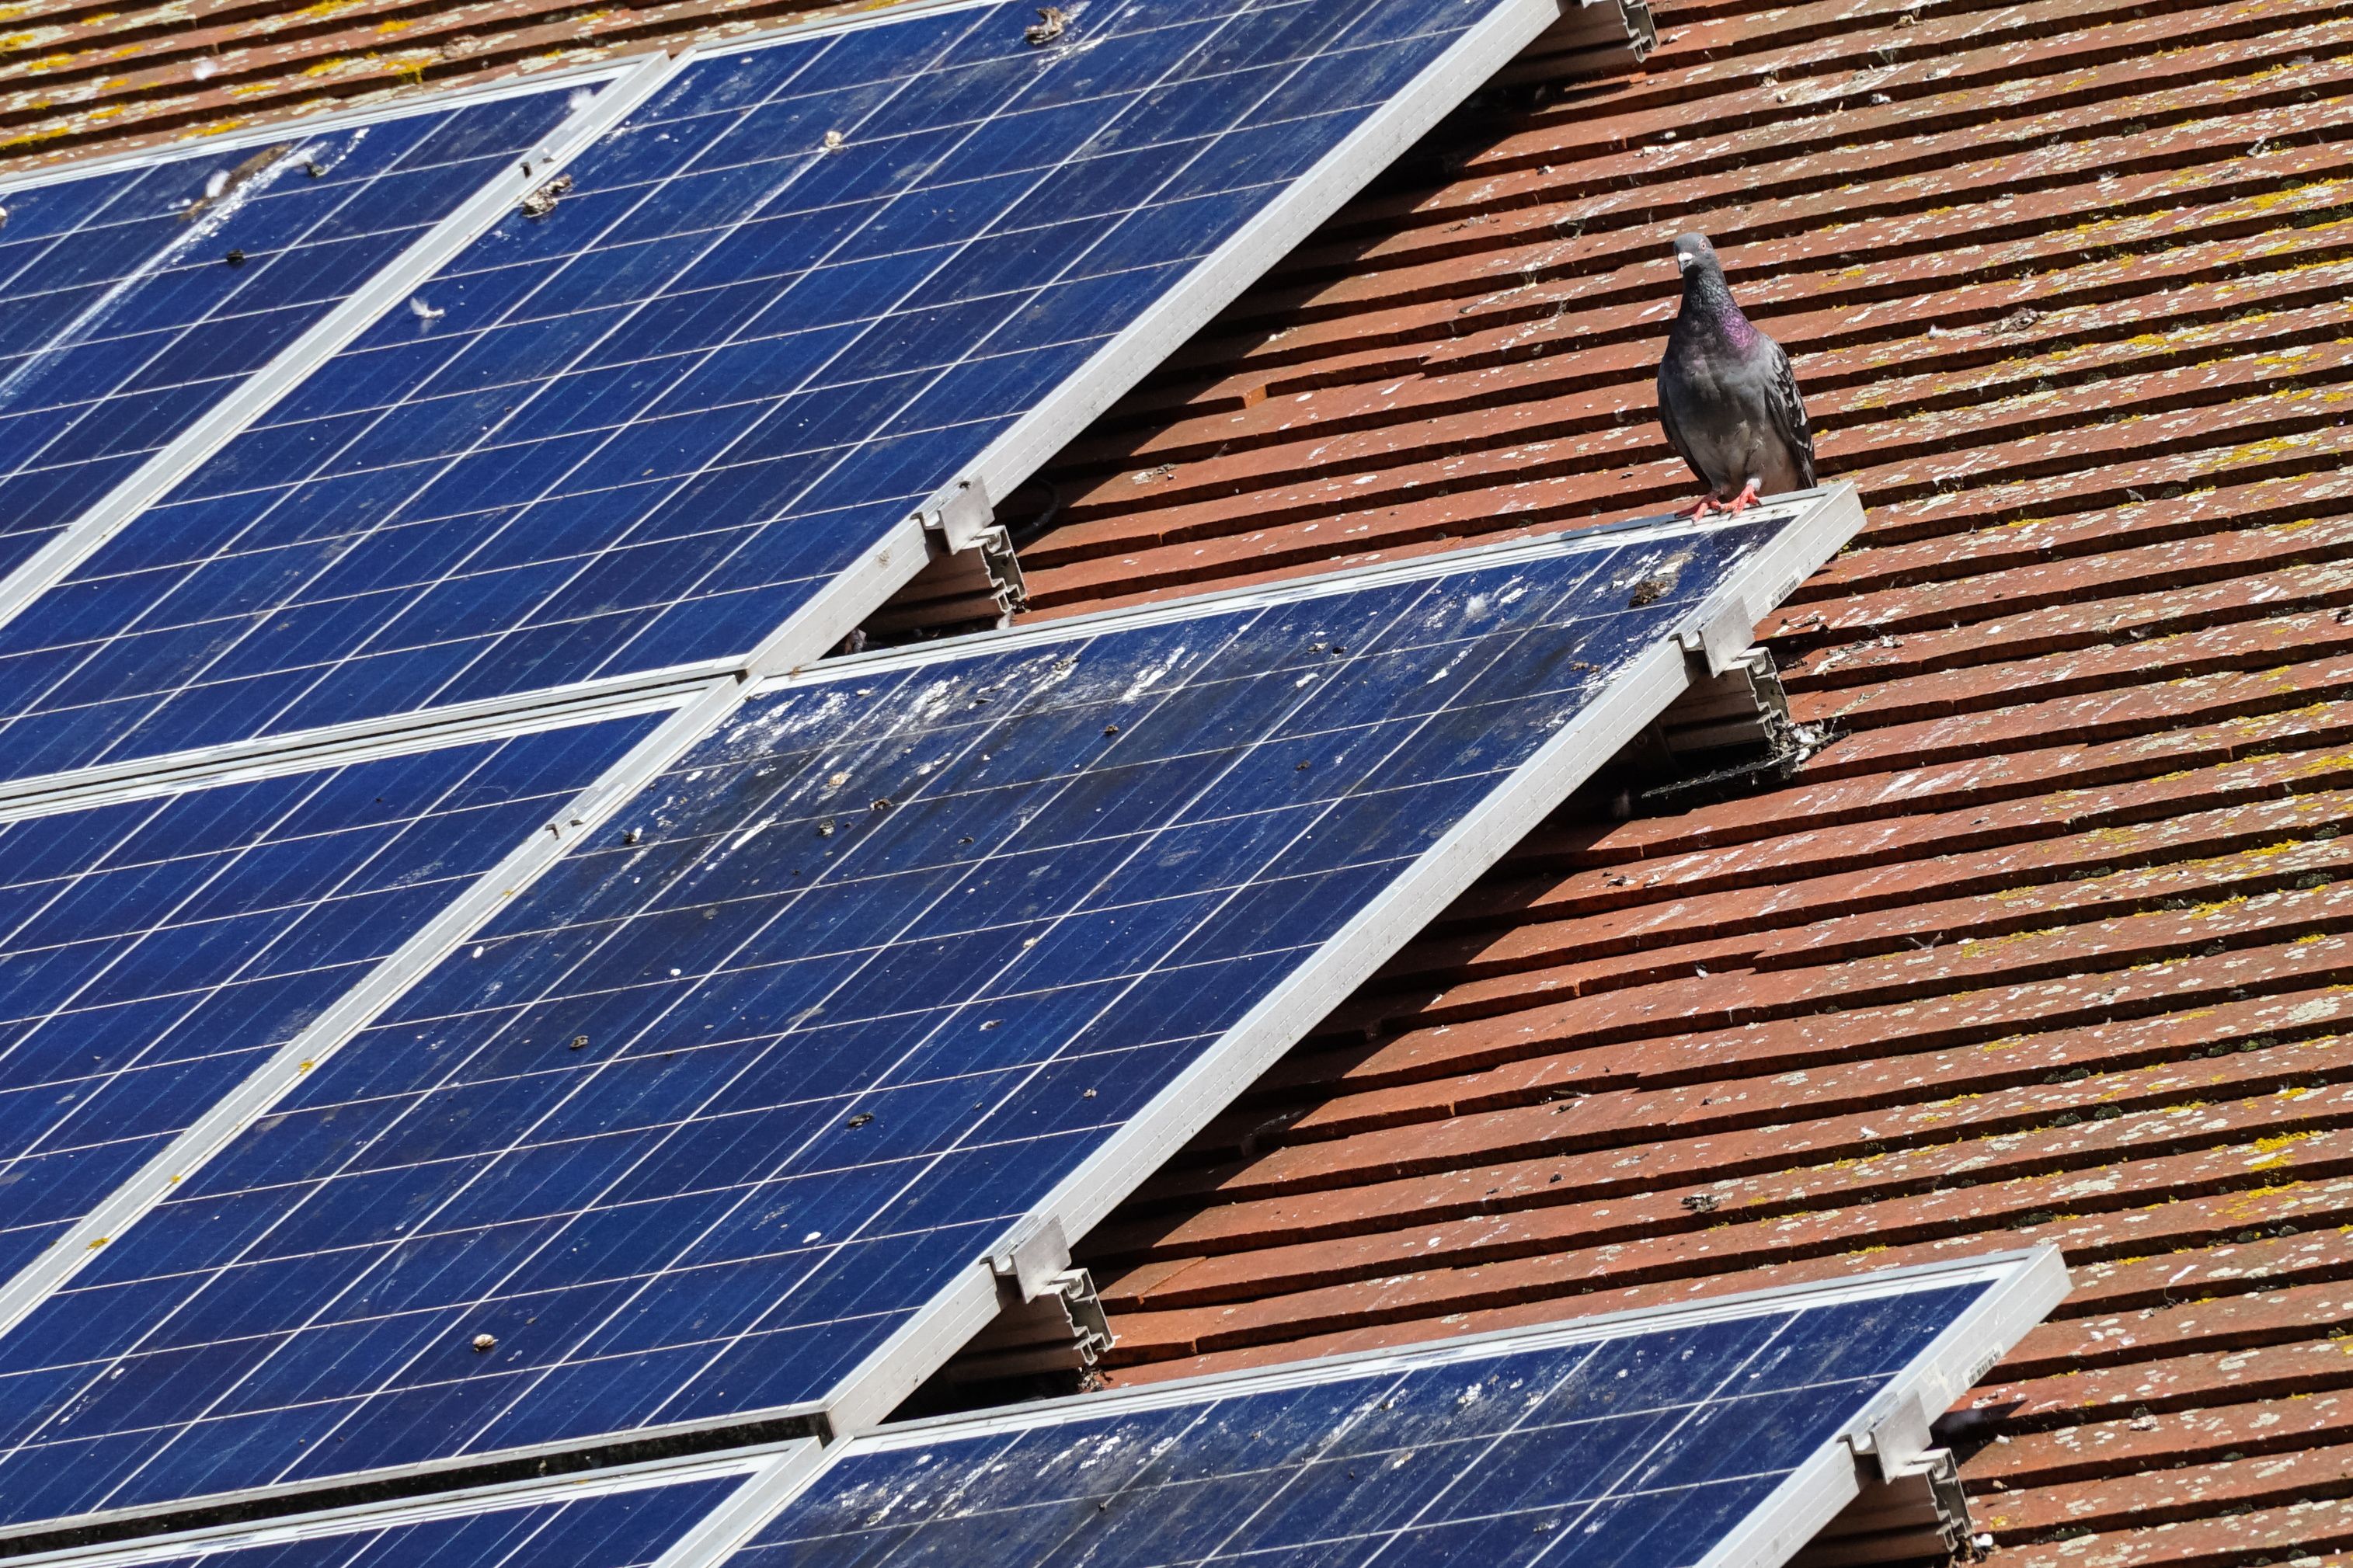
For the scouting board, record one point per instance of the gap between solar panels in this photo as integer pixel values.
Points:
(915, 959)
(796, 322)
(1725, 1434)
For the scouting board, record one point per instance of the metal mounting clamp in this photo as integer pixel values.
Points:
(1894, 1438)
(961, 516)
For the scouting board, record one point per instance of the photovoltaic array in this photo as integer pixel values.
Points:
(480, 995)
(1709, 1436)
(721, 1104)
(805, 287)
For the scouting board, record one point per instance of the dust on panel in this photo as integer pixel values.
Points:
(134, 299)
(738, 1086)
(796, 293)
(1649, 1446)
(153, 952)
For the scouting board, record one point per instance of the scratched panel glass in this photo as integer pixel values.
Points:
(606, 1530)
(133, 302)
(151, 954)
(649, 424)
(731, 1093)
(1645, 1448)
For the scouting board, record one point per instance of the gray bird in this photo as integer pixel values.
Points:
(1726, 395)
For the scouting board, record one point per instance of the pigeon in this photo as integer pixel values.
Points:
(1726, 397)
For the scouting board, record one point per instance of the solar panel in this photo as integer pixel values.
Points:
(631, 1519)
(714, 1123)
(1723, 1435)
(689, 412)
(157, 951)
(137, 297)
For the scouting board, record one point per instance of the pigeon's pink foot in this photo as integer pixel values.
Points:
(1706, 504)
(1744, 501)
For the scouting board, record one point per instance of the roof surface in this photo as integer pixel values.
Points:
(2050, 946)
(104, 77)
(2053, 945)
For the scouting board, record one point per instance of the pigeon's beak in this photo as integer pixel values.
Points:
(1683, 262)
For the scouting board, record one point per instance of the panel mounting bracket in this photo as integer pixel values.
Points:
(961, 516)
(1719, 643)
(1049, 1323)
(1591, 38)
(974, 575)
(1894, 1438)
(1031, 1260)
(1914, 1511)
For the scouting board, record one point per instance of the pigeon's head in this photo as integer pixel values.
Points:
(1692, 250)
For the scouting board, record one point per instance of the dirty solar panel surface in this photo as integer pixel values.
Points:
(1648, 1448)
(133, 302)
(612, 1529)
(649, 424)
(153, 954)
(731, 1093)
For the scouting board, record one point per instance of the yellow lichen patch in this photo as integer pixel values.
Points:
(2273, 1150)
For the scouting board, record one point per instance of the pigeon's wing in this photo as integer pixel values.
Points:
(1790, 413)
(1667, 401)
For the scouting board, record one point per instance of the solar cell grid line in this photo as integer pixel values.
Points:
(693, 411)
(151, 303)
(1719, 1436)
(710, 1128)
(153, 952)
(646, 1516)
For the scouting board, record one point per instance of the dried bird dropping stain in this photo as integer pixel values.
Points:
(861, 1120)
(1050, 25)
(485, 1344)
(542, 202)
(579, 1043)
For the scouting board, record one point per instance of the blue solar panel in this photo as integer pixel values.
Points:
(133, 300)
(604, 1523)
(808, 285)
(153, 952)
(1664, 1440)
(735, 1090)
